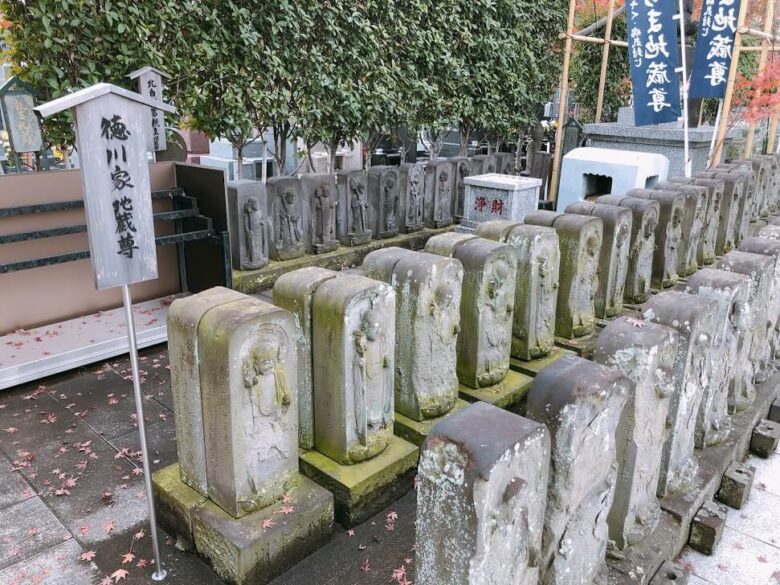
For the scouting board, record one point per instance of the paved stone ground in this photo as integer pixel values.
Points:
(72, 503)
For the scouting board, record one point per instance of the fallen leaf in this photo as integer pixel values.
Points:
(365, 567)
(267, 523)
(110, 525)
(88, 556)
(106, 581)
(139, 535)
(128, 557)
(286, 510)
(11, 430)
(142, 563)
(119, 575)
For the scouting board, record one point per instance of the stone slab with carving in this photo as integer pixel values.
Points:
(481, 499)
(412, 195)
(353, 224)
(384, 201)
(321, 203)
(248, 224)
(694, 214)
(439, 193)
(580, 403)
(728, 223)
(289, 229)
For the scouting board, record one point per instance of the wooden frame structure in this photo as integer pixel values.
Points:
(769, 43)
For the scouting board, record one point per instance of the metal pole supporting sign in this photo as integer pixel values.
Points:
(111, 134)
(684, 68)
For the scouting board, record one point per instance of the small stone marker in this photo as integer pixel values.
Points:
(412, 181)
(427, 322)
(694, 214)
(613, 260)
(249, 377)
(294, 291)
(670, 573)
(493, 197)
(640, 257)
(384, 201)
(731, 291)
(765, 437)
(481, 499)
(353, 345)
(353, 223)
(151, 84)
(668, 234)
(289, 229)
(487, 302)
(320, 202)
(580, 403)
(185, 355)
(645, 353)
(580, 245)
(695, 319)
(18, 106)
(736, 484)
(485, 164)
(248, 224)
(774, 411)
(707, 527)
(536, 289)
(464, 168)
(439, 193)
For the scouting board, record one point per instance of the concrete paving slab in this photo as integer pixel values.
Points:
(58, 565)
(13, 487)
(26, 529)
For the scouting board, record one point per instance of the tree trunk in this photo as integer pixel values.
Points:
(465, 132)
(518, 150)
(332, 148)
(238, 144)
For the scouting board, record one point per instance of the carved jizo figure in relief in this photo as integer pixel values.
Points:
(254, 235)
(266, 382)
(289, 237)
(373, 403)
(497, 310)
(359, 206)
(443, 200)
(325, 220)
(414, 211)
(390, 198)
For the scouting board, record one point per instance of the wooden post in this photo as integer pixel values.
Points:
(724, 118)
(770, 145)
(605, 61)
(563, 106)
(768, 22)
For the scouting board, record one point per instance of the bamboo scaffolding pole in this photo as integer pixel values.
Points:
(770, 145)
(605, 60)
(594, 40)
(762, 60)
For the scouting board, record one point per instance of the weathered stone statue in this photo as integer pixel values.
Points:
(505, 163)
(485, 164)
(727, 224)
(439, 193)
(248, 379)
(668, 233)
(286, 209)
(325, 220)
(731, 292)
(487, 303)
(352, 345)
(613, 258)
(580, 244)
(694, 210)
(743, 182)
(481, 499)
(354, 225)
(580, 403)
(383, 198)
(247, 225)
(705, 253)
(464, 168)
(645, 354)
(427, 322)
(412, 183)
(640, 257)
(695, 319)
(536, 290)
(294, 291)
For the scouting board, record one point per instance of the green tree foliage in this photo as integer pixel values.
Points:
(328, 71)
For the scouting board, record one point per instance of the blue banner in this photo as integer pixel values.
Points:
(714, 48)
(653, 54)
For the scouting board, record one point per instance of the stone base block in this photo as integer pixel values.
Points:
(735, 485)
(262, 545)
(175, 501)
(774, 411)
(415, 431)
(507, 394)
(670, 574)
(362, 490)
(533, 367)
(584, 347)
(707, 527)
(765, 438)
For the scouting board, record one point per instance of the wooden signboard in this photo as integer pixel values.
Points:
(111, 139)
(17, 104)
(150, 84)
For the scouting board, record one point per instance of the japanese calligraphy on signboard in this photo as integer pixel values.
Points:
(24, 130)
(150, 84)
(653, 55)
(111, 139)
(714, 48)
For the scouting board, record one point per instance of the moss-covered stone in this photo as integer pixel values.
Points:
(416, 431)
(533, 367)
(507, 393)
(736, 484)
(262, 545)
(363, 489)
(174, 501)
(581, 346)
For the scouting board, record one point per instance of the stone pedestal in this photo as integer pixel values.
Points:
(695, 319)
(507, 394)
(646, 215)
(668, 234)
(533, 367)
(580, 403)
(294, 292)
(486, 305)
(613, 260)
(645, 354)
(415, 431)
(481, 499)
(694, 214)
(536, 290)
(493, 197)
(580, 244)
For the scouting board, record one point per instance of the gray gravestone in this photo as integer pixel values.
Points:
(580, 403)
(481, 499)
(412, 195)
(705, 254)
(384, 201)
(248, 224)
(320, 204)
(354, 223)
(464, 168)
(536, 289)
(645, 354)
(694, 212)
(289, 229)
(439, 193)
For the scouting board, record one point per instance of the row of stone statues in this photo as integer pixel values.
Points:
(316, 213)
